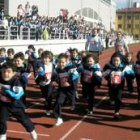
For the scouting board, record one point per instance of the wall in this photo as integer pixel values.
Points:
(56, 46)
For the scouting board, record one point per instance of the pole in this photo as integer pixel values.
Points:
(48, 7)
(81, 7)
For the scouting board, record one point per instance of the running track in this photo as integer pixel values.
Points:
(77, 125)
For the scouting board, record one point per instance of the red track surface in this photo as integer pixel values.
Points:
(77, 125)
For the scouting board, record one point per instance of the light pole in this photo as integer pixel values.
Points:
(81, 7)
(48, 7)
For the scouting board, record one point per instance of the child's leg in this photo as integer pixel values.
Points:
(4, 116)
(58, 105)
(117, 97)
(91, 95)
(22, 117)
(35, 70)
(129, 81)
(71, 98)
(47, 94)
(138, 88)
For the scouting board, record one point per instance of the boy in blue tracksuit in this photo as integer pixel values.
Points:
(115, 76)
(10, 101)
(137, 72)
(21, 70)
(67, 80)
(32, 59)
(91, 78)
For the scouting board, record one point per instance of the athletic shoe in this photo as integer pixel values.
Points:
(59, 121)
(73, 108)
(33, 135)
(48, 113)
(3, 137)
(89, 112)
(112, 103)
(116, 116)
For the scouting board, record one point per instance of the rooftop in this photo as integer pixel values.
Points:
(133, 9)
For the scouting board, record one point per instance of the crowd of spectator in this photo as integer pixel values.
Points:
(63, 26)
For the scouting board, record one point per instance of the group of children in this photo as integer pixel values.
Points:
(66, 71)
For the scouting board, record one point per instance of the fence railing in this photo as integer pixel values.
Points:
(25, 33)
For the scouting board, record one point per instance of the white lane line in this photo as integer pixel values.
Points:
(80, 121)
(26, 133)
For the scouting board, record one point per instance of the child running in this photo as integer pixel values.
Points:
(10, 103)
(67, 81)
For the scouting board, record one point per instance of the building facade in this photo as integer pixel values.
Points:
(128, 20)
(92, 10)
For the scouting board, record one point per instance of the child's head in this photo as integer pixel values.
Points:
(10, 53)
(46, 56)
(2, 52)
(68, 57)
(83, 54)
(31, 48)
(138, 56)
(19, 59)
(8, 71)
(129, 56)
(74, 52)
(90, 60)
(116, 60)
(62, 60)
(40, 51)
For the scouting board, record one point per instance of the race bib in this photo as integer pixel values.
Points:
(87, 76)
(119, 47)
(116, 78)
(48, 75)
(64, 77)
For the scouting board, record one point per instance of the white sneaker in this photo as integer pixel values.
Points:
(59, 121)
(112, 103)
(33, 135)
(48, 113)
(3, 137)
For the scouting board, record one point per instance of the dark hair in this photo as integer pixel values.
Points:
(138, 55)
(90, 56)
(19, 55)
(2, 50)
(40, 49)
(129, 53)
(10, 51)
(31, 47)
(62, 55)
(75, 50)
(8, 65)
(47, 54)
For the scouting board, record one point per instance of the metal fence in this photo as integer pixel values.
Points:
(25, 33)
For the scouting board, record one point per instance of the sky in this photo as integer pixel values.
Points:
(124, 3)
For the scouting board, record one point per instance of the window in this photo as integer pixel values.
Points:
(119, 17)
(128, 25)
(137, 26)
(136, 16)
(90, 13)
(119, 26)
(137, 36)
(84, 12)
(128, 17)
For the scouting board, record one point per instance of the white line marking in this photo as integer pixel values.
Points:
(79, 122)
(26, 133)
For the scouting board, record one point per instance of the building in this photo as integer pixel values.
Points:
(128, 20)
(93, 10)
